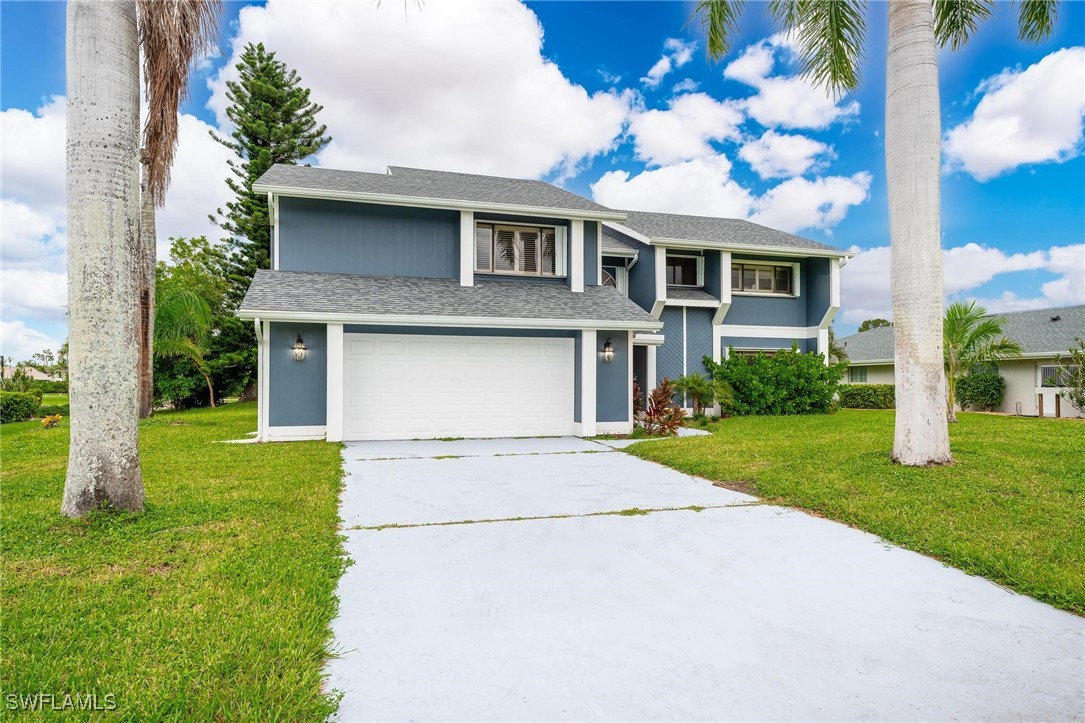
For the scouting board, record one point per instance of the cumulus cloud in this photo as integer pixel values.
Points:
(1023, 117)
(781, 155)
(686, 86)
(453, 85)
(19, 342)
(685, 129)
(821, 203)
(702, 186)
(676, 53)
(784, 101)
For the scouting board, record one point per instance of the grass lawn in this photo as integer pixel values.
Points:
(214, 604)
(54, 400)
(1011, 509)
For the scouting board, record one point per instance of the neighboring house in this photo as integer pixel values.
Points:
(32, 372)
(427, 304)
(1042, 333)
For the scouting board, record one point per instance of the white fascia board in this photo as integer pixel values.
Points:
(834, 295)
(871, 363)
(627, 254)
(389, 199)
(642, 339)
(677, 243)
(703, 303)
(482, 322)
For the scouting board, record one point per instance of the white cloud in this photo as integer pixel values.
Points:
(787, 101)
(34, 293)
(32, 154)
(865, 291)
(676, 53)
(1024, 117)
(19, 342)
(780, 155)
(702, 186)
(450, 85)
(822, 203)
(686, 86)
(685, 129)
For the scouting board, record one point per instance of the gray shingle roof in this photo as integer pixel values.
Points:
(724, 231)
(617, 244)
(441, 185)
(1033, 330)
(305, 292)
(682, 293)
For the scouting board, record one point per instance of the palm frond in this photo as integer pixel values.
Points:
(719, 19)
(788, 13)
(181, 315)
(1036, 19)
(172, 35)
(955, 21)
(829, 35)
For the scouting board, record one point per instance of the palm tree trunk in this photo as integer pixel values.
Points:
(147, 254)
(103, 256)
(210, 388)
(951, 399)
(913, 134)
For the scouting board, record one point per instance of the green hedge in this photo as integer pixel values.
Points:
(18, 406)
(61, 409)
(867, 396)
(788, 382)
(984, 391)
(52, 387)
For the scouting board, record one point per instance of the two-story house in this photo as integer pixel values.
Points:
(426, 304)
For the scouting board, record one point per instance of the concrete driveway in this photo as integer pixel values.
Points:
(540, 607)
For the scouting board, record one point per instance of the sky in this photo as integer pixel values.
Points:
(616, 101)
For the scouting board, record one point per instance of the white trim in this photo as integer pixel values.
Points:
(629, 353)
(620, 228)
(796, 278)
(273, 205)
(703, 303)
(467, 248)
(576, 255)
(750, 248)
(389, 199)
(334, 407)
(661, 280)
(700, 271)
(685, 341)
(725, 289)
(481, 322)
(559, 258)
(588, 361)
(614, 427)
(650, 369)
(648, 339)
(823, 343)
(295, 434)
(769, 332)
(834, 296)
(263, 377)
(626, 254)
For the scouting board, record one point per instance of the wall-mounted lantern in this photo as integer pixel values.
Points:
(299, 349)
(608, 351)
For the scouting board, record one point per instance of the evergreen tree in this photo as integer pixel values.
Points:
(274, 122)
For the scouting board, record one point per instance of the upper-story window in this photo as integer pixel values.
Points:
(763, 279)
(518, 250)
(685, 270)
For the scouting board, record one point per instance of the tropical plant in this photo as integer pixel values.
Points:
(983, 390)
(638, 398)
(837, 352)
(20, 381)
(18, 406)
(1071, 374)
(869, 324)
(829, 38)
(662, 417)
(787, 382)
(51, 420)
(182, 328)
(971, 339)
(702, 391)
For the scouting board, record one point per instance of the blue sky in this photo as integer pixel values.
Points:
(565, 91)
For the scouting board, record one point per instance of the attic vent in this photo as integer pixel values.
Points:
(1056, 318)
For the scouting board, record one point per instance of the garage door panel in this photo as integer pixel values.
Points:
(406, 387)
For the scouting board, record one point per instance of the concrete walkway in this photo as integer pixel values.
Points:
(724, 610)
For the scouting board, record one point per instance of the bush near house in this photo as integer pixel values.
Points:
(984, 390)
(52, 386)
(18, 406)
(788, 382)
(867, 396)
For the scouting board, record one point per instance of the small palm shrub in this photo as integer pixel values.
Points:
(663, 417)
(984, 390)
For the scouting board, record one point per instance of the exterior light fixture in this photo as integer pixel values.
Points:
(299, 349)
(608, 351)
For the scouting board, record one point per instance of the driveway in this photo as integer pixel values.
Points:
(585, 584)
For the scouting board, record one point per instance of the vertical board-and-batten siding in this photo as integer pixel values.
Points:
(698, 339)
(612, 378)
(669, 355)
(364, 238)
(297, 390)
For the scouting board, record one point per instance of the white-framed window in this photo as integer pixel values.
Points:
(857, 375)
(685, 270)
(616, 276)
(502, 248)
(751, 277)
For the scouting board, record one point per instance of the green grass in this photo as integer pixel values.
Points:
(54, 400)
(214, 604)
(1011, 509)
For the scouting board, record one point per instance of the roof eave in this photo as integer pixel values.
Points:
(750, 248)
(484, 322)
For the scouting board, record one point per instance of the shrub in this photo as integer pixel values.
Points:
(49, 386)
(638, 400)
(663, 417)
(867, 396)
(51, 420)
(984, 390)
(18, 406)
(48, 409)
(788, 382)
(21, 381)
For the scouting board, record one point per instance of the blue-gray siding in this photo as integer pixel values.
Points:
(364, 238)
(816, 281)
(642, 279)
(591, 253)
(713, 268)
(764, 342)
(698, 339)
(612, 378)
(669, 355)
(297, 390)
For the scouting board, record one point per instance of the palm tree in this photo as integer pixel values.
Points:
(971, 339)
(182, 327)
(829, 37)
(105, 255)
(837, 352)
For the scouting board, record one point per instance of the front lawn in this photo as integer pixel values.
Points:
(214, 604)
(54, 400)
(1011, 509)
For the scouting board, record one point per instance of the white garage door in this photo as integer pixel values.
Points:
(421, 387)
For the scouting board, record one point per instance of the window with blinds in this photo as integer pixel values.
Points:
(519, 250)
(762, 279)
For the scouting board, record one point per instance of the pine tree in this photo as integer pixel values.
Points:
(274, 122)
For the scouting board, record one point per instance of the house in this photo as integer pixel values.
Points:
(1042, 334)
(428, 304)
(33, 372)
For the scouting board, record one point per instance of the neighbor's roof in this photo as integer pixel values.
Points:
(723, 231)
(451, 189)
(301, 294)
(1035, 330)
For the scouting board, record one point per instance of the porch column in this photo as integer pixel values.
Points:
(588, 361)
(650, 368)
(334, 421)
